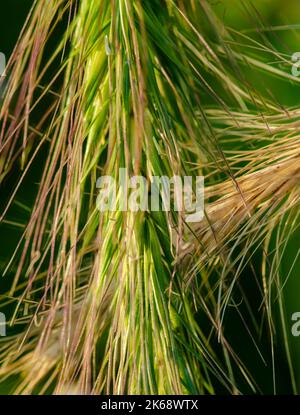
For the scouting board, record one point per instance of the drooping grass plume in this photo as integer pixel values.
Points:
(134, 302)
